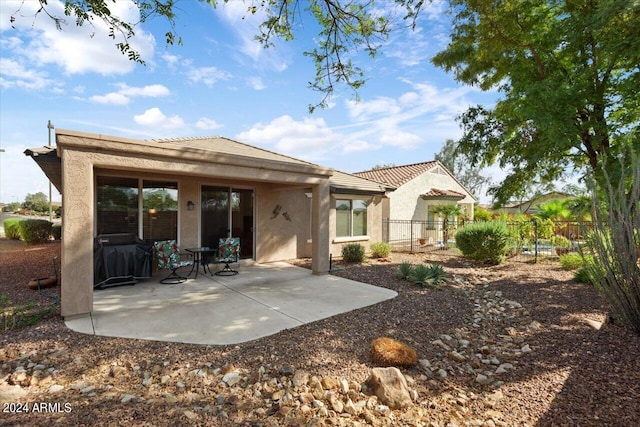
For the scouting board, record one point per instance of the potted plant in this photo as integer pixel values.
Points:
(561, 243)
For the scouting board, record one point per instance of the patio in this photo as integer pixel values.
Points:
(261, 300)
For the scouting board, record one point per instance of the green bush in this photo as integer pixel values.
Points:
(56, 231)
(11, 228)
(353, 252)
(380, 250)
(582, 275)
(405, 270)
(561, 242)
(34, 231)
(571, 261)
(484, 241)
(420, 274)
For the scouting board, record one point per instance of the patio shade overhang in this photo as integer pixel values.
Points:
(196, 155)
(47, 159)
(437, 194)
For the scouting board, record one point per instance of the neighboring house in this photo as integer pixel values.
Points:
(420, 187)
(196, 190)
(530, 206)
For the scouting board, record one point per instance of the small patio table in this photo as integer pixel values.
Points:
(200, 257)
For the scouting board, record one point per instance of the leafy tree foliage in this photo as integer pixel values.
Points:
(38, 202)
(569, 75)
(458, 164)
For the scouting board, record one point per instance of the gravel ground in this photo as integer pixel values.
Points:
(561, 371)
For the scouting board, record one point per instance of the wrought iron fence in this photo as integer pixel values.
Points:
(527, 242)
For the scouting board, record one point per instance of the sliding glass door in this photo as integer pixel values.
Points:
(227, 212)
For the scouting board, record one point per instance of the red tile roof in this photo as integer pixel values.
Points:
(397, 175)
(439, 194)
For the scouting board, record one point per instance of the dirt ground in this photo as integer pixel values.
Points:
(561, 371)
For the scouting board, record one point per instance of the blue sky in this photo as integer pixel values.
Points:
(220, 82)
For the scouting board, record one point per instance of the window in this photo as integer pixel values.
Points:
(160, 210)
(117, 205)
(351, 218)
(122, 202)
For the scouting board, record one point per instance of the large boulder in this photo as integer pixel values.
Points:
(389, 352)
(390, 386)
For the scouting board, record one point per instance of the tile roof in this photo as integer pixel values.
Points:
(397, 175)
(220, 144)
(342, 182)
(438, 194)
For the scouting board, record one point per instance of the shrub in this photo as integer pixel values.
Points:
(481, 214)
(484, 241)
(405, 270)
(582, 275)
(353, 252)
(571, 261)
(56, 231)
(561, 242)
(34, 231)
(11, 228)
(436, 274)
(380, 250)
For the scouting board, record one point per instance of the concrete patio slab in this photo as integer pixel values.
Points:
(261, 300)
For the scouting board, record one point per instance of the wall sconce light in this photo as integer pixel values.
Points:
(152, 211)
(190, 205)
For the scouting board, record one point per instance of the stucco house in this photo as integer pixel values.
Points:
(196, 190)
(418, 188)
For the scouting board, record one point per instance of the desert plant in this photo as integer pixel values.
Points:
(615, 240)
(33, 231)
(405, 270)
(424, 275)
(484, 241)
(353, 252)
(380, 250)
(419, 274)
(11, 228)
(436, 274)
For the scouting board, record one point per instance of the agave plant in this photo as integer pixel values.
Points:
(405, 270)
(426, 276)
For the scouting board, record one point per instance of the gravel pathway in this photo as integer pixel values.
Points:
(505, 345)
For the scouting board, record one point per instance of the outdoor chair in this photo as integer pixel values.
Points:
(169, 257)
(228, 252)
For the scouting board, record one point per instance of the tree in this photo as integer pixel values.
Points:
(383, 166)
(36, 202)
(569, 75)
(345, 27)
(447, 211)
(458, 164)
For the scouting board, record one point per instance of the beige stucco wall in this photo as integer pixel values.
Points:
(406, 204)
(276, 239)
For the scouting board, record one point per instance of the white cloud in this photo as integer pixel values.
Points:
(256, 83)
(155, 117)
(207, 124)
(245, 26)
(126, 93)
(13, 74)
(75, 49)
(365, 110)
(398, 138)
(359, 146)
(304, 137)
(207, 75)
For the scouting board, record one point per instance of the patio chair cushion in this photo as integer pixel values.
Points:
(169, 255)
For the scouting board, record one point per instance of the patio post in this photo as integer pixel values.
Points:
(320, 228)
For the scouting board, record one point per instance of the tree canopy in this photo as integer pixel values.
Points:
(469, 175)
(569, 73)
